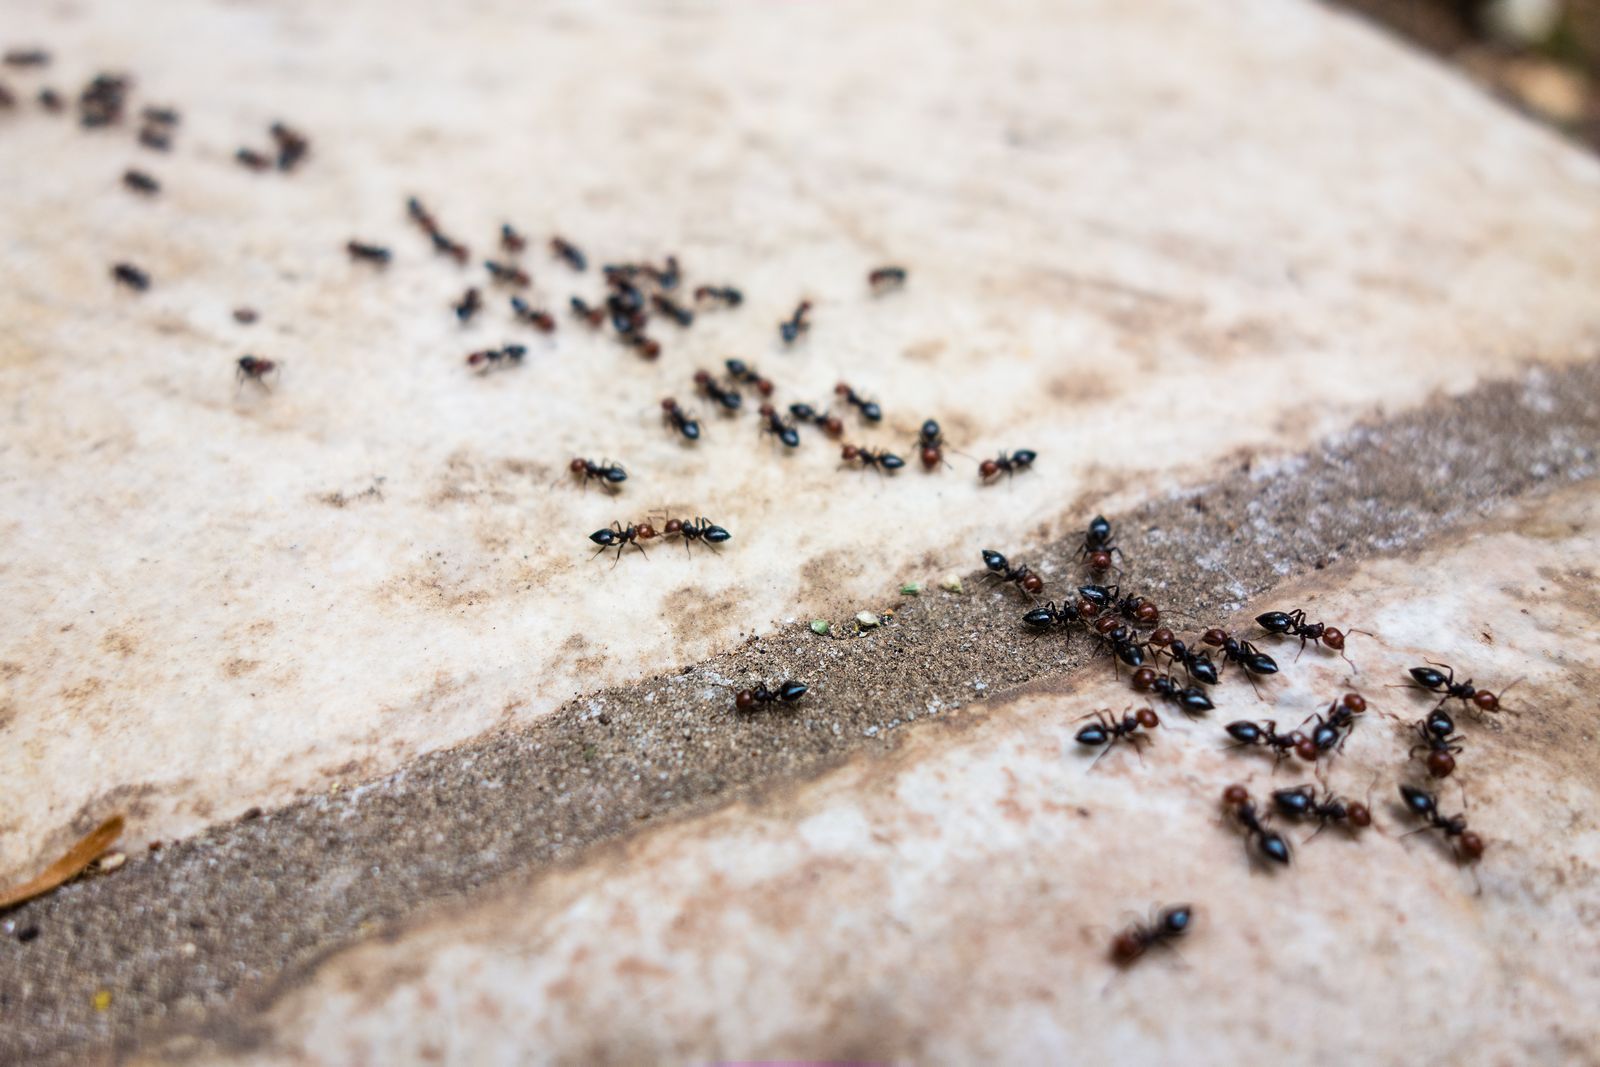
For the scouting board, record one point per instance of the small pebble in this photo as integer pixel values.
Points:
(911, 589)
(950, 583)
(110, 861)
(102, 1000)
(820, 626)
(866, 620)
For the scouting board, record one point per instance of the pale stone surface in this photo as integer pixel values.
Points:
(1127, 224)
(952, 902)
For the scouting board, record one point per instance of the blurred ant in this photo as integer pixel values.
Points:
(421, 216)
(1107, 730)
(1190, 699)
(869, 408)
(608, 474)
(930, 439)
(727, 296)
(1020, 460)
(1266, 735)
(255, 369)
(161, 116)
(886, 461)
(701, 529)
(679, 421)
(488, 358)
(1269, 844)
(507, 273)
(454, 249)
(592, 315)
(1024, 578)
(620, 537)
(884, 279)
(369, 252)
(511, 241)
(775, 425)
(1196, 662)
(729, 399)
(151, 137)
(1097, 548)
(830, 424)
(796, 324)
(471, 302)
(647, 347)
(250, 159)
(667, 277)
(1137, 939)
(539, 319)
(1302, 802)
(742, 372)
(1293, 624)
(788, 692)
(1468, 846)
(678, 314)
(1437, 682)
(1334, 729)
(1441, 742)
(131, 276)
(569, 252)
(293, 146)
(140, 182)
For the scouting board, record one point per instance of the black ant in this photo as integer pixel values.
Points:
(255, 369)
(1097, 548)
(679, 421)
(869, 408)
(1243, 653)
(140, 182)
(830, 424)
(1196, 662)
(667, 277)
(1467, 844)
(1266, 734)
(368, 252)
(53, 102)
(930, 439)
(250, 159)
(27, 57)
(592, 315)
(293, 146)
(511, 242)
(886, 461)
(788, 692)
(1437, 682)
(454, 249)
(729, 399)
(161, 116)
(1190, 699)
(775, 425)
(421, 216)
(1302, 802)
(1136, 609)
(1020, 460)
(507, 273)
(569, 252)
(886, 278)
(608, 474)
(539, 319)
(150, 137)
(727, 296)
(1168, 925)
(672, 310)
(620, 537)
(131, 276)
(1293, 624)
(509, 355)
(1441, 742)
(701, 529)
(1107, 730)
(1333, 729)
(742, 372)
(1050, 615)
(471, 303)
(1000, 568)
(1268, 842)
(796, 324)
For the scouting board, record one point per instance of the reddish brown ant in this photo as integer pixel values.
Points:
(999, 568)
(1107, 730)
(102, 101)
(742, 372)
(672, 310)
(885, 461)
(728, 399)
(620, 537)
(489, 358)
(1269, 844)
(773, 423)
(566, 250)
(370, 253)
(293, 146)
(1293, 624)
(886, 278)
(131, 276)
(1265, 734)
(666, 277)
(788, 692)
(1067, 614)
(1098, 547)
(1168, 925)
(511, 242)
(796, 324)
(647, 347)
(151, 137)
(421, 216)
(140, 182)
(725, 295)
(244, 316)
(680, 421)
(609, 475)
(469, 305)
(1136, 609)
(930, 441)
(161, 116)
(1196, 662)
(507, 274)
(454, 249)
(1440, 741)
(1430, 679)
(1334, 729)
(592, 315)
(1302, 802)
(701, 529)
(52, 101)
(1020, 460)
(540, 320)
(255, 369)
(869, 408)
(1190, 699)
(250, 159)
(830, 424)
(1467, 844)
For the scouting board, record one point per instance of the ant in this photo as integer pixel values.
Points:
(592, 315)
(1243, 653)
(244, 316)
(539, 319)
(605, 472)
(1026, 580)
(724, 295)
(1334, 729)
(667, 278)
(796, 324)
(1020, 460)
(869, 408)
(701, 529)
(780, 429)
(488, 357)
(161, 116)
(293, 146)
(250, 159)
(1293, 624)
(679, 421)
(728, 398)
(1196, 662)
(619, 537)
(471, 303)
(509, 273)
(131, 276)
(1066, 615)
(830, 424)
(788, 692)
(648, 348)
(742, 372)
(678, 314)
(511, 242)
(1119, 638)
(1169, 925)
(1440, 739)
(1107, 731)
(1190, 699)
(454, 249)
(1268, 842)
(930, 439)
(27, 57)
(1097, 548)
(887, 461)
(369, 252)
(568, 251)
(1302, 802)
(1266, 734)
(1434, 681)
(140, 182)
(1136, 609)
(1468, 845)
(884, 279)
(150, 137)
(255, 369)
(422, 216)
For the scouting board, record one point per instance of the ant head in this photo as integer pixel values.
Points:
(1100, 561)
(1359, 814)
(669, 404)
(1032, 583)
(1486, 700)
(1147, 612)
(1144, 678)
(849, 452)
(645, 531)
(1127, 947)
(988, 469)
(745, 700)
(832, 426)
(1307, 749)
(1215, 637)
(702, 377)
(842, 389)
(1235, 795)
(1441, 763)
(578, 466)
(1472, 845)
(1355, 702)
(673, 526)
(1333, 638)
(1147, 718)
(766, 411)
(1105, 624)
(1162, 637)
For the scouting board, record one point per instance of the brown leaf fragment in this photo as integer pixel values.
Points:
(69, 866)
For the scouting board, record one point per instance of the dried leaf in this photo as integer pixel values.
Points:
(68, 866)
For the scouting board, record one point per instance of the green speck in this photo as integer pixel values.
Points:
(911, 589)
(820, 626)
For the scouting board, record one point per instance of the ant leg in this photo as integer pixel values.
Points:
(1321, 826)
(1101, 755)
(1297, 655)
